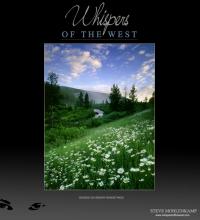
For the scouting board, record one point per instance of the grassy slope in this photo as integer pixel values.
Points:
(99, 131)
(101, 134)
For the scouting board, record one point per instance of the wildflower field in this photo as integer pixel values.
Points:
(116, 155)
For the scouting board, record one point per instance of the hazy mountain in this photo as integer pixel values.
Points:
(70, 95)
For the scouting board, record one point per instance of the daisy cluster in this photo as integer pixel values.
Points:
(120, 158)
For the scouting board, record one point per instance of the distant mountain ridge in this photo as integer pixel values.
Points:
(70, 95)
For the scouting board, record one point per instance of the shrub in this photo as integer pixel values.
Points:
(93, 122)
(55, 137)
(115, 115)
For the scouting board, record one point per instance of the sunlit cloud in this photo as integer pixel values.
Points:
(80, 61)
(141, 52)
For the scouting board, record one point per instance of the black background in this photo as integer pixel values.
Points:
(24, 29)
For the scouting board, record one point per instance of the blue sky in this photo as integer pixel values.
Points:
(96, 66)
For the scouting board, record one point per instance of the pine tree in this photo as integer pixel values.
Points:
(132, 94)
(86, 100)
(146, 100)
(52, 96)
(80, 100)
(151, 100)
(115, 97)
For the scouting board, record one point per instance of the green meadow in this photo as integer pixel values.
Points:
(114, 155)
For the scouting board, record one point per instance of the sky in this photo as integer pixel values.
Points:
(97, 66)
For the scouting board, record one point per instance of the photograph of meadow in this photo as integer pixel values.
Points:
(99, 116)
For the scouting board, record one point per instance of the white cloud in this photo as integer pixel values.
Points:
(150, 61)
(77, 68)
(64, 79)
(141, 52)
(145, 68)
(123, 46)
(107, 52)
(55, 49)
(103, 46)
(135, 47)
(49, 52)
(69, 52)
(101, 50)
(80, 61)
(146, 91)
(144, 79)
(131, 58)
(96, 64)
(47, 56)
(149, 55)
(100, 46)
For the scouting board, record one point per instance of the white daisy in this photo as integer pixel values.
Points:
(120, 170)
(62, 187)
